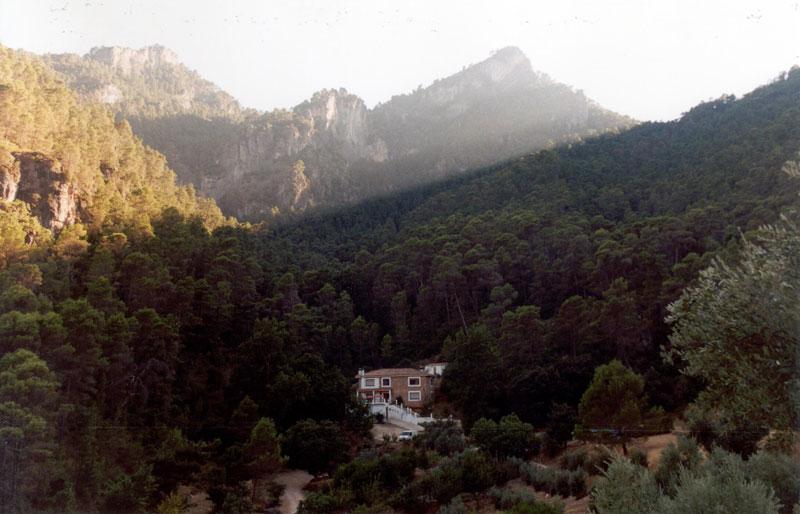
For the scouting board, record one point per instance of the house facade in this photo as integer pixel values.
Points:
(412, 387)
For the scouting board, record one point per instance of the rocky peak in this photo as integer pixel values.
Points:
(336, 114)
(128, 60)
(329, 106)
(503, 64)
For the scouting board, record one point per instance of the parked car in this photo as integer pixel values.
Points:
(405, 435)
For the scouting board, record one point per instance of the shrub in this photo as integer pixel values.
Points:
(318, 503)
(443, 436)
(674, 458)
(522, 502)
(577, 483)
(456, 506)
(553, 480)
(509, 437)
(626, 488)
(560, 423)
(315, 446)
(575, 459)
(504, 499)
(476, 471)
(638, 457)
(469, 471)
(720, 485)
(779, 472)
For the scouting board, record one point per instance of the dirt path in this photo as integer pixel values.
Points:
(294, 481)
(391, 429)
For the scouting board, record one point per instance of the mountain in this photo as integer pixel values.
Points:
(147, 362)
(332, 150)
(69, 162)
(548, 265)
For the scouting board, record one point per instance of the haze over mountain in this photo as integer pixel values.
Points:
(332, 149)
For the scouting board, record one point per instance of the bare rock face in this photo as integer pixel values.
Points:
(331, 149)
(129, 61)
(38, 180)
(288, 161)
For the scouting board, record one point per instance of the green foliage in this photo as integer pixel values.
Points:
(554, 480)
(315, 446)
(443, 436)
(778, 471)
(737, 330)
(613, 403)
(508, 438)
(456, 506)
(470, 471)
(722, 483)
(561, 424)
(675, 458)
(626, 488)
(119, 182)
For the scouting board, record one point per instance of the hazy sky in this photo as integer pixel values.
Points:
(650, 60)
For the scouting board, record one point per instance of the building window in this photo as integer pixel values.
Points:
(386, 382)
(415, 396)
(370, 382)
(413, 381)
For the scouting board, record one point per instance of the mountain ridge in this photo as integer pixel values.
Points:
(248, 161)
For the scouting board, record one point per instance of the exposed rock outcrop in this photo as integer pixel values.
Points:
(39, 180)
(129, 61)
(490, 111)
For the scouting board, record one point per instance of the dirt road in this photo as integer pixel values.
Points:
(294, 481)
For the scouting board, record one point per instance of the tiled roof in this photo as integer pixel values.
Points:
(395, 372)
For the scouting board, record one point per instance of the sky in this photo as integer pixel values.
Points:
(649, 60)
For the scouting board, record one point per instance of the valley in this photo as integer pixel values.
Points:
(207, 308)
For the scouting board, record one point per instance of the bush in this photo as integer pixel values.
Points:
(553, 480)
(510, 437)
(315, 446)
(710, 433)
(575, 459)
(720, 485)
(504, 499)
(779, 472)
(318, 503)
(521, 502)
(638, 457)
(598, 461)
(476, 471)
(675, 457)
(626, 488)
(469, 471)
(560, 424)
(577, 483)
(442, 436)
(456, 506)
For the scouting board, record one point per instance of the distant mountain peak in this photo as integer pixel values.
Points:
(504, 63)
(128, 60)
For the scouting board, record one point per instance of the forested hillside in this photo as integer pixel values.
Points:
(147, 343)
(130, 336)
(583, 246)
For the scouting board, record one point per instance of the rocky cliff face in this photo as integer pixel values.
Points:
(331, 149)
(128, 61)
(294, 160)
(143, 83)
(39, 180)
